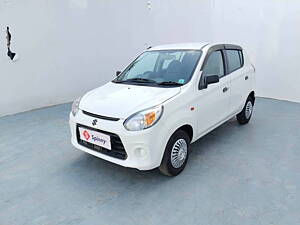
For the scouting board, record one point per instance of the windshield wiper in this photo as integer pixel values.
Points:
(117, 81)
(171, 83)
(139, 80)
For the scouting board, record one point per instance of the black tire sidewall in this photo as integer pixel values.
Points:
(241, 117)
(166, 162)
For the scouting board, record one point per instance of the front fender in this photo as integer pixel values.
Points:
(174, 118)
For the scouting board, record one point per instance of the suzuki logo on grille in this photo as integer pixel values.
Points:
(94, 122)
(86, 135)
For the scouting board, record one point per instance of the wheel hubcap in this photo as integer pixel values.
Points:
(179, 153)
(248, 110)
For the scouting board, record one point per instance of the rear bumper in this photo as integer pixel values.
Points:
(144, 149)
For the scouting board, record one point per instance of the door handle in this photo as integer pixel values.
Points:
(225, 89)
(246, 77)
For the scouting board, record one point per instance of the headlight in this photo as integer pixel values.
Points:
(143, 119)
(75, 106)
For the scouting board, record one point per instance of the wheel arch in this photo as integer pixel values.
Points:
(252, 95)
(188, 129)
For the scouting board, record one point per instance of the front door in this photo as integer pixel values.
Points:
(213, 101)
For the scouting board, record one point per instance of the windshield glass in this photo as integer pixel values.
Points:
(165, 67)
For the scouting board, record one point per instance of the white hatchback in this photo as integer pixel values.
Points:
(166, 99)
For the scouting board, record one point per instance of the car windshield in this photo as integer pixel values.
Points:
(165, 68)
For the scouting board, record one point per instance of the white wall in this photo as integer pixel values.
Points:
(270, 30)
(71, 46)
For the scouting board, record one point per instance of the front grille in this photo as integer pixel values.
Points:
(117, 148)
(100, 117)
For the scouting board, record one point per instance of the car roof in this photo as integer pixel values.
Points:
(191, 46)
(184, 46)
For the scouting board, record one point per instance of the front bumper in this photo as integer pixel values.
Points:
(144, 149)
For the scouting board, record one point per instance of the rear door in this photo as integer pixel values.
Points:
(235, 62)
(213, 101)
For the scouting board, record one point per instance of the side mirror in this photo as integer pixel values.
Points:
(118, 73)
(211, 79)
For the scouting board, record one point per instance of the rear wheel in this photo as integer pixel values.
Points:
(245, 115)
(176, 154)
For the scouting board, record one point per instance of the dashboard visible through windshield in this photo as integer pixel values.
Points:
(161, 68)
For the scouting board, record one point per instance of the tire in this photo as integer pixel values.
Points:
(178, 148)
(245, 115)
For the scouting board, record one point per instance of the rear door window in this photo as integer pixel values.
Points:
(235, 60)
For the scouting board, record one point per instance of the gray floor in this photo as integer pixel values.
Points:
(236, 175)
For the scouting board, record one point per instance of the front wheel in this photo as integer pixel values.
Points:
(176, 154)
(245, 115)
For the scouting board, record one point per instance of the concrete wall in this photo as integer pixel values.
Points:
(68, 47)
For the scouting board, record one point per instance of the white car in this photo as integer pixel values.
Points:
(166, 99)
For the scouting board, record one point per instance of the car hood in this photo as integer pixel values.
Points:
(122, 100)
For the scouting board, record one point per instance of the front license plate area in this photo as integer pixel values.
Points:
(94, 137)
